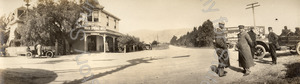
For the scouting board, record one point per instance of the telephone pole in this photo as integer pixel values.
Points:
(157, 37)
(27, 5)
(252, 6)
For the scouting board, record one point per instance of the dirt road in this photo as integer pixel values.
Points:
(175, 65)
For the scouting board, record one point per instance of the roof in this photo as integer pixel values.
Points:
(97, 5)
(104, 11)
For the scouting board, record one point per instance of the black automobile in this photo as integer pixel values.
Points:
(45, 52)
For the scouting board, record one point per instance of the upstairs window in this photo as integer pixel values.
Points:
(115, 24)
(90, 18)
(107, 20)
(20, 12)
(96, 16)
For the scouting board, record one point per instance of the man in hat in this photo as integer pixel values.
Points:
(285, 31)
(221, 50)
(245, 57)
(272, 37)
(253, 38)
(297, 31)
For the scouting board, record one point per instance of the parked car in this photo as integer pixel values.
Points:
(47, 51)
(291, 42)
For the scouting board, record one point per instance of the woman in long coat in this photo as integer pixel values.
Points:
(245, 57)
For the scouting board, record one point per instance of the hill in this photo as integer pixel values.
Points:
(163, 35)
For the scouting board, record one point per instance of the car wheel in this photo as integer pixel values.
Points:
(260, 51)
(50, 54)
(29, 55)
(298, 48)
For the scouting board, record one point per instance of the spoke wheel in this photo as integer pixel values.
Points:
(260, 51)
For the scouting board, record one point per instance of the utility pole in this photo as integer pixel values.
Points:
(252, 6)
(157, 37)
(27, 5)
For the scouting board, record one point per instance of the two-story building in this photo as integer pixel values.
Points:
(101, 30)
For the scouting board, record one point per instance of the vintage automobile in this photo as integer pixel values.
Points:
(47, 51)
(232, 35)
(288, 42)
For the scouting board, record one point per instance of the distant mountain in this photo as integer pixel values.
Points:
(163, 35)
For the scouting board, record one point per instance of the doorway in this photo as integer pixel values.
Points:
(92, 46)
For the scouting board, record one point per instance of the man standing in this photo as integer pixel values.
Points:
(245, 58)
(253, 38)
(221, 50)
(39, 49)
(272, 37)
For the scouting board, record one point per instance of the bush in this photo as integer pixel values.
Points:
(154, 43)
(132, 43)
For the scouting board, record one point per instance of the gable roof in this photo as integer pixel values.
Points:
(96, 5)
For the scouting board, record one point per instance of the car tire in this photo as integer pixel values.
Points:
(260, 51)
(49, 54)
(29, 55)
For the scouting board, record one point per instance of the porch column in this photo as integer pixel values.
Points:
(114, 44)
(98, 42)
(85, 43)
(104, 42)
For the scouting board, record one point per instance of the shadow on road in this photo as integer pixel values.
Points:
(132, 62)
(181, 56)
(279, 54)
(26, 76)
(262, 61)
(7, 56)
(236, 69)
(53, 61)
(105, 60)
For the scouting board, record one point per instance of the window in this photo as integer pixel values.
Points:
(96, 20)
(96, 16)
(20, 12)
(90, 18)
(107, 20)
(115, 24)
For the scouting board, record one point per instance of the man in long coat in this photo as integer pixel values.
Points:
(253, 38)
(245, 57)
(222, 50)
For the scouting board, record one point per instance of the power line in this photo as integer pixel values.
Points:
(252, 6)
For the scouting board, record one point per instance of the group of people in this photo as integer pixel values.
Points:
(246, 48)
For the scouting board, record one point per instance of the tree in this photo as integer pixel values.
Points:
(129, 42)
(4, 29)
(173, 40)
(206, 34)
(154, 43)
(201, 37)
(50, 22)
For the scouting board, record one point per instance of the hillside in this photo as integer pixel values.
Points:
(163, 35)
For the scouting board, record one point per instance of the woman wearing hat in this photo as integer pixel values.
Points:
(245, 57)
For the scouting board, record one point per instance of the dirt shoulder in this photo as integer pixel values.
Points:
(286, 71)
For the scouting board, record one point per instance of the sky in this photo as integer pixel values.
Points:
(173, 14)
